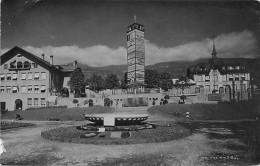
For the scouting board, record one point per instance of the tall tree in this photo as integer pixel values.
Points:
(111, 81)
(77, 80)
(151, 78)
(165, 81)
(96, 82)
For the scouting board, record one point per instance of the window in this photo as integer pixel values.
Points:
(12, 64)
(19, 65)
(237, 67)
(199, 77)
(244, 86)
(29, 101)
(235, 86)
(15, 89)
(36, 88)
(215, 75)
(207, 78)
(23, 77)
(8, 89)
(29, 88)
(207, 88)
(34, 65)
(128, 37)
(23, 89)
(5, 66)
(36, 76)
(2, 89)
(30, 76)
(43, 89)
(236, 77)
(35, 101)
(243, 78)
(224, 78)
(42, 101)
(215, 87)
(26, 64)
(8, 77)
(43, 75)
(230, 79)
(230, 68)
(2, 77)
(14, 76)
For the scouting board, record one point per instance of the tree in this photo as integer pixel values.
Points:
(123, 81)
(75, 101)
(151, 78)
(183, 83)
(77, 81)
(90, 101)
(111, 81)
(183, 97)
(108, 102)
(96, 82)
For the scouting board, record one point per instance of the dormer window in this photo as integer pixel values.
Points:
(5, 66)
(12, 65)
(237, 67)
(19, 65)
(230, 68)
(26, 64)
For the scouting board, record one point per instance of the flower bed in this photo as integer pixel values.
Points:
(89, 134)
(10, 125)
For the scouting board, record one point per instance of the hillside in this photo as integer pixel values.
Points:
(175, 68)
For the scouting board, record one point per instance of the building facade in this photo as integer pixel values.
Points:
(135, 53)
(28, 80)
(220, 75)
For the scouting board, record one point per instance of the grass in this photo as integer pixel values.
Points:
(246, 134)
(225, 111)
(158, 134)
(11, 125)
(64, 114)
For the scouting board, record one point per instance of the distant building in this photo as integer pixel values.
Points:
(28, 80)
(220, 75)
(135, 54)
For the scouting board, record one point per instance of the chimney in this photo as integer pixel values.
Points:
(43, 56)
(51, 59)
(75, 63)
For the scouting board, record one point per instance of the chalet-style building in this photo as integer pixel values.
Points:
(30, 81)
(220, 75)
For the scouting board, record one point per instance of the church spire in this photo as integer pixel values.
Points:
(214, 52)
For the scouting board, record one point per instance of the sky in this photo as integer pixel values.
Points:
(94, 32)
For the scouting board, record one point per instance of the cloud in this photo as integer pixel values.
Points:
(236, 44)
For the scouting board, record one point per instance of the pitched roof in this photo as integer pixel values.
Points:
(68, 67)
(17, 50)
(223, 65)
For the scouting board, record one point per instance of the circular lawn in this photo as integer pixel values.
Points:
(134, 134)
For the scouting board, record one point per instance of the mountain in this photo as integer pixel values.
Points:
(175, 68)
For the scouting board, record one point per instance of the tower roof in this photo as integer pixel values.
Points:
(135, 25)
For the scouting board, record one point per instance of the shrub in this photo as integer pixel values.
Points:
(107, 102)
(165, 102)
(166, 97)
(75, 101)
(90, 102)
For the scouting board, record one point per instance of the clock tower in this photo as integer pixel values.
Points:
(135, 54)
